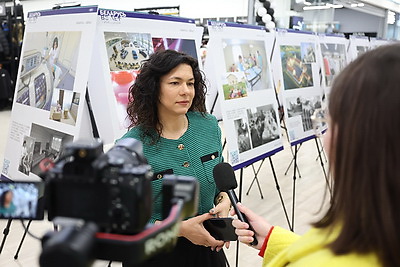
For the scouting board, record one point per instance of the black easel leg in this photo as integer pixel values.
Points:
(294, 185)
(5, 233)
(291, 162)
(322, 151)
(279, 192)
(323, 167)
(256, 179)
(22, 240)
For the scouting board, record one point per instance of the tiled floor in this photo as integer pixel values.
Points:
(309, 192)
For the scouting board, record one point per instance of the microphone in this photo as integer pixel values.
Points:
(225, 179)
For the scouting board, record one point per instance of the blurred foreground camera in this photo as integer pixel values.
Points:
(112, 189)
(103, 201)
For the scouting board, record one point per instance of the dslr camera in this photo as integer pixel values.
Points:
(102, 203)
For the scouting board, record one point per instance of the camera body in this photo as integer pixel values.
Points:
(103, 202)
(111, 189)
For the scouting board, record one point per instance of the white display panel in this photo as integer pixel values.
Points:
(49, 103)
(334, 56)
(358, 45)
(298, 78)
(239, 68)
(376, 42)
(123, 41)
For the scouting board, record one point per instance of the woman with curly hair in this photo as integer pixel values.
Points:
(168, 114)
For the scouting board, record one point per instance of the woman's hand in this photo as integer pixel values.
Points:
(193, 230)
(221, 210)
(222, 207)
(259, 224)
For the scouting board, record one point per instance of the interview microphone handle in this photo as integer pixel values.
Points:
(242, 217)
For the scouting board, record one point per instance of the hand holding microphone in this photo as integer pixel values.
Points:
(225, 180)
(259, 224)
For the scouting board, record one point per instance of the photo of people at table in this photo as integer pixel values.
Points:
(127, 50)
(249, 57)
(297, 72)
(263, 125)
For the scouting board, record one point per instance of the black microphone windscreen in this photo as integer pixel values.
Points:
(224, 176)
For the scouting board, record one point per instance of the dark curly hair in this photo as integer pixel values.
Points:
(145, 92)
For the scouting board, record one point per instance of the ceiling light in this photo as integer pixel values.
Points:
(315, 7)
(334, 6)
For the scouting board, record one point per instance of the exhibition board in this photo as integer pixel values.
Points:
(375, 42)
(238, 66)
(124, 40)
(64, 53)
(358, 45)
(48, 109)
(298, 79)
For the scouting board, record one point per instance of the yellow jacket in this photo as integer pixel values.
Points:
(285, 248)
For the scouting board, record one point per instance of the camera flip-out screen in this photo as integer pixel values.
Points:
(20, 200)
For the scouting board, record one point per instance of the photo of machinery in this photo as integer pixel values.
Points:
(49, 61)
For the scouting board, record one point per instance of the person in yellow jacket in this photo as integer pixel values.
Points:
(362, 225)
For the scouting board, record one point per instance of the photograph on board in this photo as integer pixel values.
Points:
(361, 49)
(234, 85)
(186, 46)
(243, 136)
(307, 52)
(263, 125)
(304, 108)
(64, 106)
(296, 72)
(334, 59)
(49, 61)
(126, 50)
(48, 143)
(249, 57)
(26, 156)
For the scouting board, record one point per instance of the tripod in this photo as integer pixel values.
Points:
(6, 232)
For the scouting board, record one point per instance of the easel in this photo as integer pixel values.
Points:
(276, 185)
(6, 231)
(297, 146)
(255, 179)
